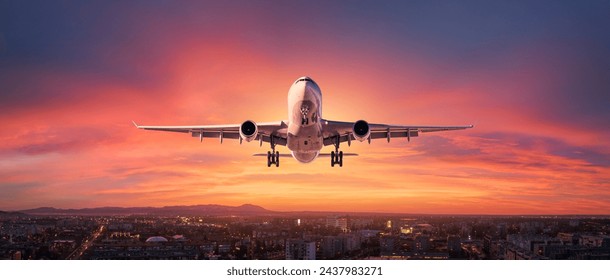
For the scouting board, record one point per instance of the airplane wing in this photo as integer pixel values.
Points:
(266, 131)
(344, 131)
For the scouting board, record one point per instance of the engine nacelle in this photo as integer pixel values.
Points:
(361, 130)
(248, 131)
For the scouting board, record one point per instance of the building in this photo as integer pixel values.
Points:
(454, 245)
(389, 245)
(143, 251)
(421, 243)
(332, 247)
(299, 249)
(352, 242)
(569, 238)
(337, 222)
(530, 243)
(594, 240)
(156, 239)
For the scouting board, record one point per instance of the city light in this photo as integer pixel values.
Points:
(424, 237)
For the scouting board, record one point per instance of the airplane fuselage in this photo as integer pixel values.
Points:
(305, 139)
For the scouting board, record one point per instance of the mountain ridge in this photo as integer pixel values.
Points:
(198, 209)
(224, 210)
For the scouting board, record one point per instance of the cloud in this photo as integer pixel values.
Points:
(63, 140)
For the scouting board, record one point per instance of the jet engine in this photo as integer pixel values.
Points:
(361, 130)
(248, 131)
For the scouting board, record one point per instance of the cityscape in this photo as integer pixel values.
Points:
(248, 232)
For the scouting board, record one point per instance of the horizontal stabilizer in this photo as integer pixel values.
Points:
(344, 154)
(320, 155)
(264, 155)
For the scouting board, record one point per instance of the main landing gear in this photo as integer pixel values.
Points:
(273, 157)
(336, 157)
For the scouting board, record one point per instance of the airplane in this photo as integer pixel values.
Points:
(305, 132)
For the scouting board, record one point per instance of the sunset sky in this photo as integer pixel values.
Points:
(532, 76)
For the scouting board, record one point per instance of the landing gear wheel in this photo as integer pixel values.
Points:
(336, 157)
(273, 157)
(277, 159)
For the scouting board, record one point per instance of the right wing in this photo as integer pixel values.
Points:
(266, 131)
(342, 131)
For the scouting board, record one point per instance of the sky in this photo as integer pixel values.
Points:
(532, 76)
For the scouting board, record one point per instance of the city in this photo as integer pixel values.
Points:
(302, 236)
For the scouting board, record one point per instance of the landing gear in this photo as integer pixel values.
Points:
(336, 157)
(304, 113)
(273, 157)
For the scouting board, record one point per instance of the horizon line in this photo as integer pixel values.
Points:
(315, 211)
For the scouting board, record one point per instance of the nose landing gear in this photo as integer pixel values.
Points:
(304, 113)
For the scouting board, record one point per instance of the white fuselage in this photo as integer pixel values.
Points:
(305, 139)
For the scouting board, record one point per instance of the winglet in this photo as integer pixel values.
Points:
(134, 123)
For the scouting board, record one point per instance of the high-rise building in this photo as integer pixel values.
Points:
(454, 245)
(389, 245)
(338, 222)
(299, 249)
(332, 246)
(421, 243)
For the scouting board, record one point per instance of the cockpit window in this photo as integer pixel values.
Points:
(304, 79)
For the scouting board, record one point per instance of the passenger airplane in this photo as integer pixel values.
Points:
(305, 132)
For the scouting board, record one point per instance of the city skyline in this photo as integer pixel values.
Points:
(532, 77)
(302, 237)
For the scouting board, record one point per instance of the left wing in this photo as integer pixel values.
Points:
(343, 131)
(266, 131)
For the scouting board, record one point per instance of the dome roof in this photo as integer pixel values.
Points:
(156, 239)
